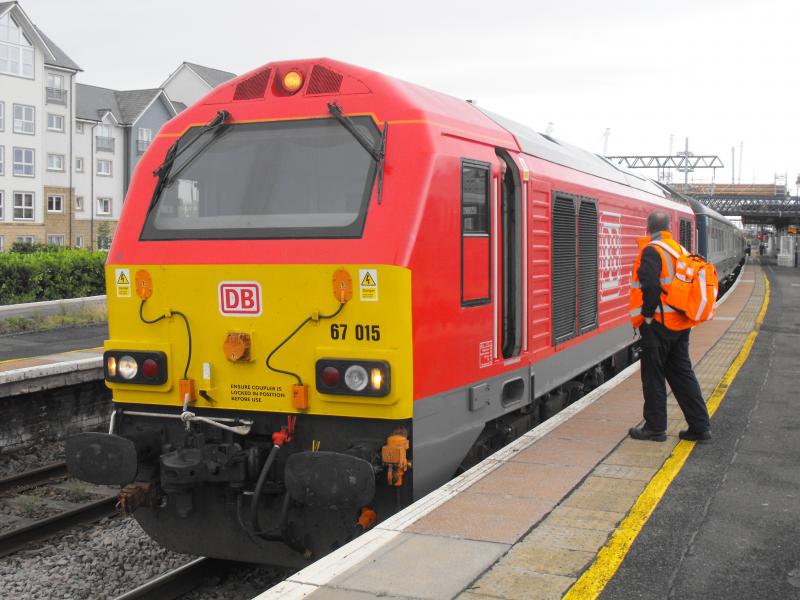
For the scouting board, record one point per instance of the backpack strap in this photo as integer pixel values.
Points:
(668, 248)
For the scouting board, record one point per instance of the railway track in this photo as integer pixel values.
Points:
(173, 584)
(34, 476)
(17, 538)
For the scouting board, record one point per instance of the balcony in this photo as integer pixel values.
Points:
(141, 146)
(103, 143)
(56, 96)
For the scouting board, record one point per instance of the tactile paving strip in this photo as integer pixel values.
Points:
(550, 558)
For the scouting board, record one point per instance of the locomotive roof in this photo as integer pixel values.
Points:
(555, 151)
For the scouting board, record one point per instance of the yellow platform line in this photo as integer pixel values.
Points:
(594, 580)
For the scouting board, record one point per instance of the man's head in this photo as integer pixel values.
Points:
(657, 221)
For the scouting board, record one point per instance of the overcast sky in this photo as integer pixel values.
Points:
(718, 72)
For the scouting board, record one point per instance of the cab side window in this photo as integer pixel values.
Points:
(475, 236)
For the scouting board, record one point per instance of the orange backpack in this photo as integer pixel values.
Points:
(694, 288)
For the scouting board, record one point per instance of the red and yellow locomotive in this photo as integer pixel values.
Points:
(330, 290)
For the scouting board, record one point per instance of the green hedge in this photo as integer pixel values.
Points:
(49, 275)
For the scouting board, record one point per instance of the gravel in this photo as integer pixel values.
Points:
(242, 582)
(43, 453)
(97, 561)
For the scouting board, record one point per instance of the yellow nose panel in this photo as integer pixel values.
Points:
(264, 304)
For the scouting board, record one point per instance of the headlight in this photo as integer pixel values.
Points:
(356, 378)
(133, 366)
(127, 367)
(353, 377)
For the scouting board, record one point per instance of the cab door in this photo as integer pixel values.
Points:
(510, 256)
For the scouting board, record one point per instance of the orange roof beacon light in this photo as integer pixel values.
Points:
(292, 81)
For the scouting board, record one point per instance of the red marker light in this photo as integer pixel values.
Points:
(330, 376)
(150, 368)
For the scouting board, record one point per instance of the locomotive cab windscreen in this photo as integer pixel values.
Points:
(285, 179)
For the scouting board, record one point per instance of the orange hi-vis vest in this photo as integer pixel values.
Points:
(672, 319)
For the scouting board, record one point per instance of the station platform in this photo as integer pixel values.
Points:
(50, 371)
(576, 509)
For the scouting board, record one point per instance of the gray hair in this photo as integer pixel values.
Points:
(657, 221)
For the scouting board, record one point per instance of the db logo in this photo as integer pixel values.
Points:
(240, 298)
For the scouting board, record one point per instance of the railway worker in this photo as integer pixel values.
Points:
(665, 341)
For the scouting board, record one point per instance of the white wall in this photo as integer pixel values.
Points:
(56, 142)
(20, 90)
(82, 147)
(104, 187)
(186, 86)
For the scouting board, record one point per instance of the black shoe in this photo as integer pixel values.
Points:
(695, 436)
(640, 433)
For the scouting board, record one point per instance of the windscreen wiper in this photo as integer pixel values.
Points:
(379, 154)
(336, 111)
(162, 172)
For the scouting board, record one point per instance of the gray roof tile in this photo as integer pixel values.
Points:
(213, 77)
(60, 57)
(126, 106)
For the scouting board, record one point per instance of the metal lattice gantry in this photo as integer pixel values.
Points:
(680, 162)
(778, 210)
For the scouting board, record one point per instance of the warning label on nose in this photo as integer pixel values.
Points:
(368, 284)
(122, 278)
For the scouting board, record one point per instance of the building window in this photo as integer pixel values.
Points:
(55, 204)
(55, 240)
(2, 243)
(25, 239)
(2, 116)
(55, 122)
(79, 164)
(104, 168)
(55, 162)
(79, 203)
(79, 241)
(79, 127)
(23, 162)
(2, 160)
(104, 206)
(23, 206)
(103, 243)
(24, 119)
(16, 51)
(144, 137)
(104, 139)
(55, 89)
(2, 206)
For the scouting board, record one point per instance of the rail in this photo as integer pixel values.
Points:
(18, 537)
(34, 476)
(176, 582)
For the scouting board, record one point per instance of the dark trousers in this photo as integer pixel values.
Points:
(665, 356)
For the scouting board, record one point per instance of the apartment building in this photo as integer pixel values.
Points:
(68, 150)
(37, 112)
(112, 130)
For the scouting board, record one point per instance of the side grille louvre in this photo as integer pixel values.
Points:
(686, 234)
(587, 265)
(563, 266)
(253, 87)
(323, 81)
